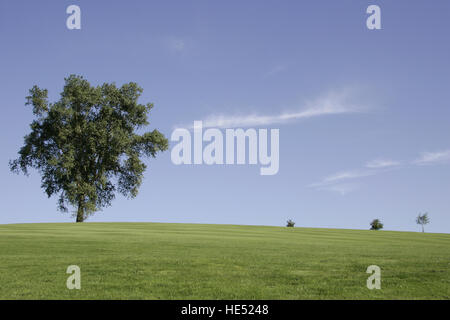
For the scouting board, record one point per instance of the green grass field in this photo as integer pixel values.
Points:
(188, 261)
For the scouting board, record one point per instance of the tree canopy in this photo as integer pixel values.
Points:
(85, 145)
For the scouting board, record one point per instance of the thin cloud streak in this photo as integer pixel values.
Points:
(428, 158)
(334, 182)
(176, 45)
(382, 163)
(342, 189)
(331, 104)
(348, 175)
(277, 69)
(340, 176)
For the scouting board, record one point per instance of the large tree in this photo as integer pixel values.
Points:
(85, 145)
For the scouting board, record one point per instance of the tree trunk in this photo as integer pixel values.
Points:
(80, 212)
(423, 229)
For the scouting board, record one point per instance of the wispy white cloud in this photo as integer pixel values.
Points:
(346, 175)
(382, 163)
(331, 104)
(276, 69)
(176, 44)
(339, 182)
(428, 158)
(341, 176)
(342, 188)
(343, 182)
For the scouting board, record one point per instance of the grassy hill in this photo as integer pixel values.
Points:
(188, 261)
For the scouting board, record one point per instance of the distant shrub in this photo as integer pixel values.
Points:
(376, 225)
(290, 223)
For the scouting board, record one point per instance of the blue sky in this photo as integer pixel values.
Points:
(381, 151)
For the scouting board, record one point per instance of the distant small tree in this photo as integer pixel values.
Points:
(290, 223)
(376, 224)
(423, 219)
